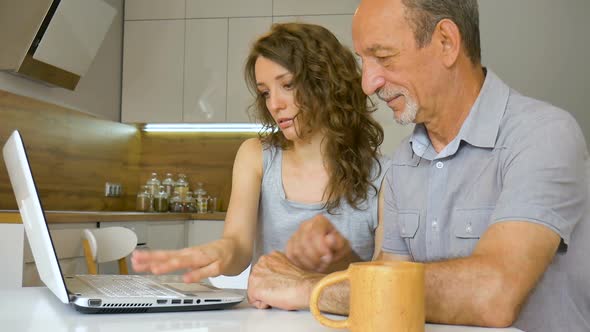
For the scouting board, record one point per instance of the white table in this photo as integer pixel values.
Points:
(36, 309)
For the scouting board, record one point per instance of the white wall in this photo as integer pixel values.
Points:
(98, 92)
(542, 49)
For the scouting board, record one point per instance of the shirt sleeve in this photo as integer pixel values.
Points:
(544, 177)
(392, 240)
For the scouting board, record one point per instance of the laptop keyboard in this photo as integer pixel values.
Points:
(126, 286)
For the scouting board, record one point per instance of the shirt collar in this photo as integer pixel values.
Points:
(481, 125)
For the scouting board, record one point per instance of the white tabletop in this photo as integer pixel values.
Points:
(36, 309)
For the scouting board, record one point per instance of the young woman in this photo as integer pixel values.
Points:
(318, 159)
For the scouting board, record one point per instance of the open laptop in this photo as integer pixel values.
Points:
(99, 293)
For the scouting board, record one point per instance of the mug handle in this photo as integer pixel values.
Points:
(328, 280)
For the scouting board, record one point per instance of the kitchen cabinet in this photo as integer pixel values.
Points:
(158, 235)
(11, 255)
(166, 235)
(154, 9)
(242, 33)
(313, 7)
(339, 25)
(203, 231)
(227, 8)
(205, 77)
(153, 70)
(207, 84)
(173, 74)
(216, 50)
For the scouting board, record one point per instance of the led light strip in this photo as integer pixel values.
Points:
(204, 127)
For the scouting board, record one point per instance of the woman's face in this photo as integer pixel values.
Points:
(275, 85)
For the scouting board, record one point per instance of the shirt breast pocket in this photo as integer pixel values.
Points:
(467, 228)
(409, 221)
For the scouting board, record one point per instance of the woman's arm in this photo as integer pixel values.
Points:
(242, 212)
(232, 253)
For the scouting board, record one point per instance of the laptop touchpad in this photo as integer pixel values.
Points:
(189, 288)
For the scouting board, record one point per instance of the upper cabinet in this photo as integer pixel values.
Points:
(52, 41)
(228, 8)
(205, 73)
(183, 61)
(339, 25)
(242, 33)
(153, 69)
(313, 7)
(154, 9)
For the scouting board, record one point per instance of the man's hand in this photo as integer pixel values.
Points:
(276, 282)
(317, 246)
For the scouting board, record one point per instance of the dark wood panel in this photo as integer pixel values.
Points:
(72, 155)
(203, 157)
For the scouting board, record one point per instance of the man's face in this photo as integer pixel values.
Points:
(393, 66)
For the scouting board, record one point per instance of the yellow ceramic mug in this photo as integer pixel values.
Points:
(384, 296)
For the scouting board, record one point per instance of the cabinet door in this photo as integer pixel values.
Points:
(203, 231)
(11, 255)
(339, 25)
(242, 33)
(153, 65)
(228, 8)
(166, 235)
(154, 9)
(205, 76)
(313, 7)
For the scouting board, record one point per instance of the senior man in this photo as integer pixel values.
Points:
(490, 190)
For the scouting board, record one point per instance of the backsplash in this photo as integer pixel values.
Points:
(73, 155)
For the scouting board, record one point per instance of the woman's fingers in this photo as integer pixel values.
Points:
(163, 261)
(211, 270)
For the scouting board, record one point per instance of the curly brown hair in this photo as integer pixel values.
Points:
(328, 93)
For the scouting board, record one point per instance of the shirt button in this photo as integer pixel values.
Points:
(469, 228)
(435, 225)
(439, 164)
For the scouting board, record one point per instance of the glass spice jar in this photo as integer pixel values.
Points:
(201, 198)
(168, 184)
(175, 203)
(181, 185)
(143, 201)
(161, 201)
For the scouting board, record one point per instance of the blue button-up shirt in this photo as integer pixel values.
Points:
(514, 159)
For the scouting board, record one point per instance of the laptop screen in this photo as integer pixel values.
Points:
(32, 215)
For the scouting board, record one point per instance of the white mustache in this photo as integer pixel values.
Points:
(387, 94)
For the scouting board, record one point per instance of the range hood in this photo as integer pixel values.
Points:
(53, 41)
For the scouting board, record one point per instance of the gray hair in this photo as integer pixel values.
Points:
(424, 15)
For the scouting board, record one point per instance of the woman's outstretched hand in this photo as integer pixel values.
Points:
(199, 262)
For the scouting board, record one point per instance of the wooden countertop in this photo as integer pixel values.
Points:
(54, 217)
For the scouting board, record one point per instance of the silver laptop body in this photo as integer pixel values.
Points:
(99, 293)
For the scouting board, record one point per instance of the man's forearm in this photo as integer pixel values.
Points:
(461, 292)
(466, 291)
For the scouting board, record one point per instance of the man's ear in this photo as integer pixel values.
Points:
(448, 39)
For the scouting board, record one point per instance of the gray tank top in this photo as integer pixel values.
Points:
(279, 218)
